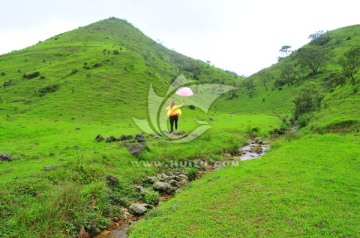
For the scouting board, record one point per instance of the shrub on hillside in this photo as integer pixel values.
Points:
(350, 63)
(97, 65)
(31, 75)
(279, 83)
(249, 87)
(321, 40)
(313, 58)
(232, 95)
(308, 100)
(74, 71)
(150, 196)
(48, 89)
(8, 83)
(333, 80)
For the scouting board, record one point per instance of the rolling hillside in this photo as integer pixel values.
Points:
(57, 180)
(110, 61)
(340, 102)
(307, 185)
(58, 95)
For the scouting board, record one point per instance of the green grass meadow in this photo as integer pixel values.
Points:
(58, 95)
(305, 188)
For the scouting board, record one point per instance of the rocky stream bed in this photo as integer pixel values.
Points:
(169, 183)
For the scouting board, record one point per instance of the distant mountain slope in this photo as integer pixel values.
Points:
(105, 67)
(276, 87)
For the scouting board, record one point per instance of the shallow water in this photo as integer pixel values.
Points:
(248, 154)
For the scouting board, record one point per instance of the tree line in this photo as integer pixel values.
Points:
(307, 63)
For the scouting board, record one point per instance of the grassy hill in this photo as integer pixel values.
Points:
(58, 95)
(307, 185)
(288, 193)
(279, 95)
(110, 60)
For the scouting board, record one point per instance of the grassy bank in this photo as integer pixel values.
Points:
(305, 188)
(58, 184)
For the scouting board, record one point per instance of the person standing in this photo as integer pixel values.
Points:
(173, 113)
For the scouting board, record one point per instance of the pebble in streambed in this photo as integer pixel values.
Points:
(169, 183)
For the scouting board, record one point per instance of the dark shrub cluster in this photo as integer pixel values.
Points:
(48, 89)
(321, 40)
(31, 75)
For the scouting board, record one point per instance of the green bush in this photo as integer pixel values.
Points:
(48, 89)
(321, 40)
(308, 100)
(31, 75)
(150, 197)
(192, 173)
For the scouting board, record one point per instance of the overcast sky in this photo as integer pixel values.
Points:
(243, 36)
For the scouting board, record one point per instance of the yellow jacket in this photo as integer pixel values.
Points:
(174, 111)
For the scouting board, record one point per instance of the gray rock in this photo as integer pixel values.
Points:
(122, 138)
(182, 177)
(182, 183)
(140, 137)
(139, 189)
(173, 183)
(256, 149)
(152, 179)
(136, 149)
(99, 138)
(49, 168)
(161, 186)
(171, 190)
(141, 140)
(112, 180)
(5, 157)
(138, 208)
(110, 139)
(258, 140)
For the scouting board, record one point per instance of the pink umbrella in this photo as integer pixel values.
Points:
(185, 91)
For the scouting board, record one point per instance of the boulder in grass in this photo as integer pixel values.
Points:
(49, 168)
(110, 139)
(138, 208)
(161, 187)
(112, 180)
(5, 157)
(135, 149)
(99, 138)
(141, 139)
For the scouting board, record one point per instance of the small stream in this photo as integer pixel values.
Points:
(255, 149)
(249, 151)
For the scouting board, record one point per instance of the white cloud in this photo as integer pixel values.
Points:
(18, 39)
